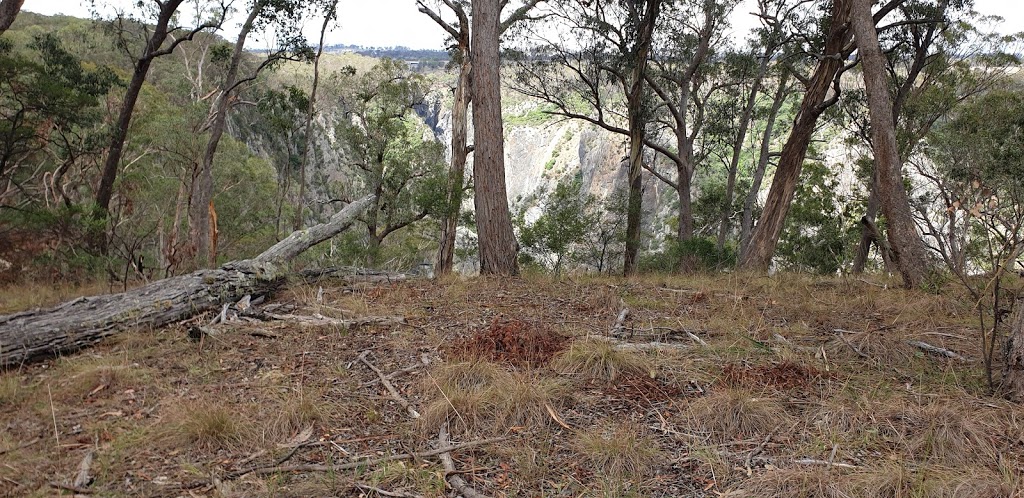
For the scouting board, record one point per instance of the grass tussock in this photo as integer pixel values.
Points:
(949, 434)
(887, 348)
(595, 359)
(622, 450)
(96, 377)
(295, 412)
(11, 390)
(479, 395)
(802, 482)
(898, 480)
(205, 425)
(736, 414)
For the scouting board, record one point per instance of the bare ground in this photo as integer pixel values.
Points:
(727, 385)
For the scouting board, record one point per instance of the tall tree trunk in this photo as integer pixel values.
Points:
(9, 10)
(634, 203)
(637, 117)
(870, 235)
(759, 253)
(908, 248)
(1013, 369)
(300, 204)
(199, 220)
(498, 246)
(457, 173)
(105, 191)
(764, 154)
(737, 152)
(920, 62)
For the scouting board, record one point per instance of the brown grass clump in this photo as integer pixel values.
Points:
(599, 360)
(513, 342)
(205, 425)
(479, 395)
(796, 482)
(11, 390)
(619, 450)
(896, 480)
(295, 412)
(948, 434)
(882, 346)
(102, 375)
(736, 414)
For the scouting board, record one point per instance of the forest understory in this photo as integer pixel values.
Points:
(732, 385)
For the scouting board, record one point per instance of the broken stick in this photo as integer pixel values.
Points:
(389, 386)
(458, 484)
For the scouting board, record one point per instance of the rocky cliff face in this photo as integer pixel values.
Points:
(540, 150)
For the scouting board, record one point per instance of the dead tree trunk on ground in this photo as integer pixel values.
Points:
(77, 324)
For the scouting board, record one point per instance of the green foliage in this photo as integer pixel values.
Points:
(701, 254)
(46, 94)
(566, 217)
(391, 148)
(821, 228)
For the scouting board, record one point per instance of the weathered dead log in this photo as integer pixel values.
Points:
(83, 322)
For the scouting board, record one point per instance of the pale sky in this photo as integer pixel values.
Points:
(384, 23)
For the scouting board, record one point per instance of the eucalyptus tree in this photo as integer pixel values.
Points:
(459, 30)
(330, 15)
(144, 43)
(283, 17)
(685, 78)
(398, 166)
(936, 56)
(602, 41)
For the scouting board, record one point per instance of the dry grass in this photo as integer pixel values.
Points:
(595, 359)
(795, 482)
(203, 424)
(102, 376)
(619, 450)
(170, 410)
(736, 414)
(949, 434)
(479, 395)
(11, 390)
(28, 295)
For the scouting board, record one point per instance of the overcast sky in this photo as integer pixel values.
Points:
(384, 23)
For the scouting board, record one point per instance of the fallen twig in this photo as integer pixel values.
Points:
(320, 320)
(384, 492)
(82, 479)
(389, 386)
(20, 446)
(424, 362)
(458, 484)
(73, 489)
(924, 346)
(619, 329)
(695, 338)
(366, 462)
(811, 461)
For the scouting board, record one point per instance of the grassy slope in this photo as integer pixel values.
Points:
(774, 385)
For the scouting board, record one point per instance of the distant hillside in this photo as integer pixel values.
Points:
(421, 59)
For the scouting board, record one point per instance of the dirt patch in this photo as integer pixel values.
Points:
(785, 375)
(514, 342)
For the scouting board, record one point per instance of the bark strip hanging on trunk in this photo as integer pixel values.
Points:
(85, 321)
(1013, 370)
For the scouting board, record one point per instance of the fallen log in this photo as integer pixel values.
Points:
(77, 324)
